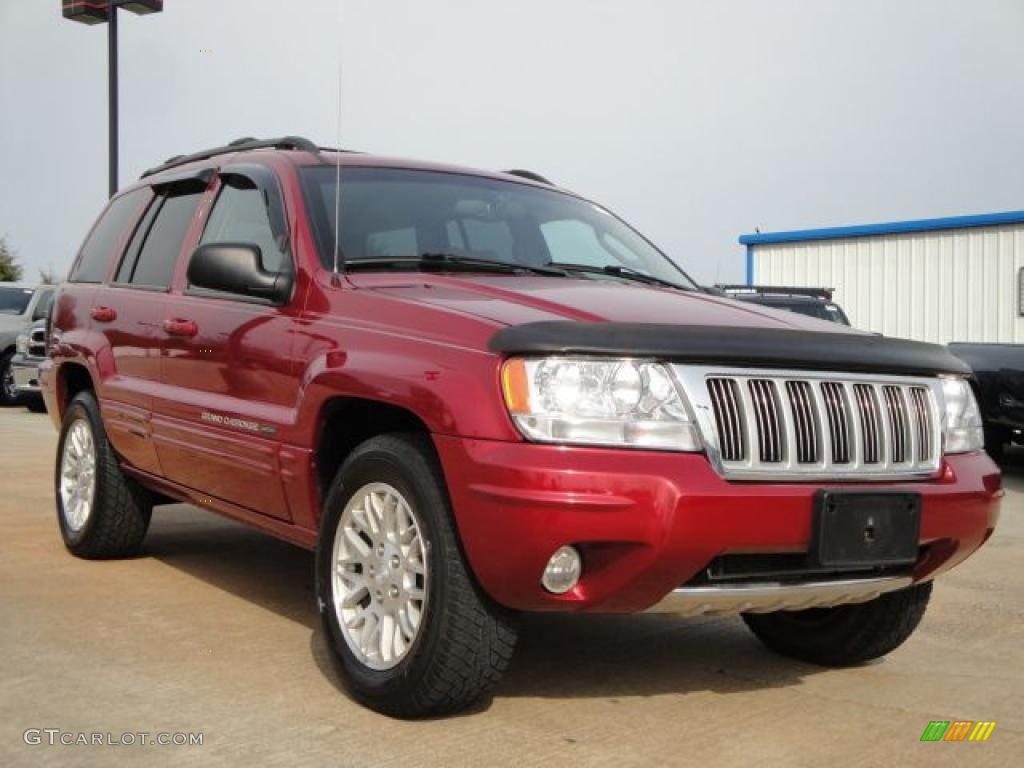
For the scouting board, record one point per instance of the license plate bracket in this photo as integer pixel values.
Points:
(854, 529)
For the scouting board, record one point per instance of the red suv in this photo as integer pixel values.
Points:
(476, 394)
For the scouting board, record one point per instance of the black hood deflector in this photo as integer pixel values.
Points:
(722, 345)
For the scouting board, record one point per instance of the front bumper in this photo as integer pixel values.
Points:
(647, 523)
(26, 374)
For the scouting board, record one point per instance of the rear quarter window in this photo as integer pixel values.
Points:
(107, 237)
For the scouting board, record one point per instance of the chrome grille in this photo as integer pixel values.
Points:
(809, 425)
(37, 342)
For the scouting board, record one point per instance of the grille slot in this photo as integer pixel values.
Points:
(839, 426)
(725, 399)
(900, 429)
(923, 424)
(767, 416)
(870, 422)
(817, 426)
(805, 419)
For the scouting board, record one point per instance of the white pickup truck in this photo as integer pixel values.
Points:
(20, 306)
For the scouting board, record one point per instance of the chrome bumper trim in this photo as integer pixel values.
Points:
(26, 377)
(775, 596)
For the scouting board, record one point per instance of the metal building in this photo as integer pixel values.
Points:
(939, 280)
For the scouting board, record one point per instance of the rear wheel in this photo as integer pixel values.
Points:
(846, 634)
(412, 632)
(101, 512)
(36, 404)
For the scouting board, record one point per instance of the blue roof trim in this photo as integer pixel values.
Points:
(888, 228)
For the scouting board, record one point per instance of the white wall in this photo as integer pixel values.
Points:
(940, 286)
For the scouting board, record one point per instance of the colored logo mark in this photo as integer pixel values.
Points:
(958, 730)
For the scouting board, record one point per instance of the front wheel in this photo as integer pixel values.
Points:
(412, 631)
(846, 634)
(996, 439)
(8, 391)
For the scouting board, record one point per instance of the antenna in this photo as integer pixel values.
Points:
(338, 263)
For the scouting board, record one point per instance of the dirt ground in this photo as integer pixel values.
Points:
(214, 630)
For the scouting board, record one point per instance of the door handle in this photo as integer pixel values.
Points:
(180, 327)
(103, 314)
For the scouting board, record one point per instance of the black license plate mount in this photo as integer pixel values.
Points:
(855, 529)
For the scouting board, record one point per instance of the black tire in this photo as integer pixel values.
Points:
(36, 404)
(846, 634)
(121, 508)
(8, 395)
(995, 443)
(465, 641)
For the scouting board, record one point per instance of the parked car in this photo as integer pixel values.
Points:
(476, 394)
(20, 306)
(999, 372)
(31, 352)
(813, 302)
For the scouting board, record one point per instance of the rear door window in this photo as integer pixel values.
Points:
(104, 242)
(155, 247)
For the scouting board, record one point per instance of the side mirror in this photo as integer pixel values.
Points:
(237, 268)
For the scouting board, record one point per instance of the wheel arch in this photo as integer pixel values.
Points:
(347, 421)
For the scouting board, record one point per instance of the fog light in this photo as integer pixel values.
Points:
(562, 571)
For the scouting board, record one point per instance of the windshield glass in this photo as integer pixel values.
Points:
(394, 213)
(819, 309)
(14, 301)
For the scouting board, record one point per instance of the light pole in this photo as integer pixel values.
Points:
(105, 12)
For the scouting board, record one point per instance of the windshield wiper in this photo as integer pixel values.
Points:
(449, 260)
(619, 270)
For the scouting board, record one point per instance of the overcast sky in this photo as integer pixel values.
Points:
(696, 121)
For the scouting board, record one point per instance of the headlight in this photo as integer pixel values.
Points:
(598, 402)
(21, 344)
(961, 419)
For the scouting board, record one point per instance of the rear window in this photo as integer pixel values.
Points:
(106, 238)
(157, 243)
(14, 301)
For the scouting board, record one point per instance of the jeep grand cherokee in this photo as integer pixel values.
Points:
(476, 394)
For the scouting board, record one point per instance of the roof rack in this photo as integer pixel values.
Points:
(285, 142)
(825, 294)
(529, 175)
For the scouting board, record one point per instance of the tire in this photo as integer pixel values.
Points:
(36, 404)
(846, 634)
(8, 394)
(995, 443)
(114, 519)
(462, 643)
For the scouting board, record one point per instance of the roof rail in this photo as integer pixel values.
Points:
(529, 175)
(285, 142)
(777, 290)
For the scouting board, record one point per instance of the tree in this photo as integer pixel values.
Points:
(10, 269)
(47, 276)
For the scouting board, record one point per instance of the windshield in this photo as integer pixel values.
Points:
(820, 309)
(397, 213)
(14, 301)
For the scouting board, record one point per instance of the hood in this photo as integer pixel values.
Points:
(514, 300)
(551, 315)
